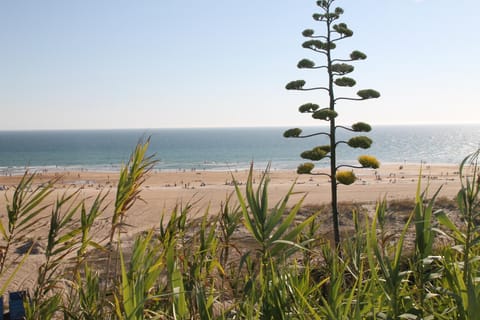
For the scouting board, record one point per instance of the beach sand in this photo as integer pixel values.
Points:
(207, 190)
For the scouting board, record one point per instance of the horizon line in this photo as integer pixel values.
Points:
(230, 127)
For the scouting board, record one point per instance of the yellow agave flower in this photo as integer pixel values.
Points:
(369, 161)
(346, 177)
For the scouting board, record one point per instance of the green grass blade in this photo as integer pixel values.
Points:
(14, 273)
(288, 222)
(248, 221)
(3, 232)
(444, 220)
(278, 212)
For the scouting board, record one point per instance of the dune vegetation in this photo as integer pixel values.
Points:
(251, 260)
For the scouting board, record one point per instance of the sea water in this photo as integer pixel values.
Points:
(225, 148)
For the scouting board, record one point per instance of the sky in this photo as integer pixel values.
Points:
(103, 64)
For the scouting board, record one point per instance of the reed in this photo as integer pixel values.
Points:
(23, 214)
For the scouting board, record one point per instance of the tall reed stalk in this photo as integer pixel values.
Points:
(61, 242)
(132, 176)
(23, 213)
(460, 263)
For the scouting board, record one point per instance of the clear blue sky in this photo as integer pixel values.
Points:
(169, 63)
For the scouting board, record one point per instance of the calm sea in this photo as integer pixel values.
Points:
(223, 148)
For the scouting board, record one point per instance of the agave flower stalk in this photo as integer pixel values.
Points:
(337, 70)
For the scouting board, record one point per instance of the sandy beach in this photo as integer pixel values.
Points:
(207, 190)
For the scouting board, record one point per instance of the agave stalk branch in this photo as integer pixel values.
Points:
(311, 89)
(347, 98)
(349, 166)
(346, 128)
(314, 134)
(321, 174)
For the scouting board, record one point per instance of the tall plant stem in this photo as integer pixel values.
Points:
(132, 176)
(333, 153)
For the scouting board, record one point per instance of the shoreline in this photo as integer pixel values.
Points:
(164, 189)
(115, 168)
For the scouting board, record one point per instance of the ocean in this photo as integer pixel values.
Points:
(224, 148)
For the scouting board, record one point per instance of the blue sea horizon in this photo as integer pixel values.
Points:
(225, 148)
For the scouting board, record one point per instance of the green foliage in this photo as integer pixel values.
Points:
(89, 303)
(308, 32)
(62, 239)
(324, 114)
(23, 212)
(229, 221)
(357, 55)
(361, 127)
(342, 29)
(87, 220)
(143, 272)
(368, 94)
(295, 85)
(306, 64)
(308, 108)
(305, 168)
(132, 176)
(276, 234)
(292, 133)
(339, 11)
(461, 262)
(342, 68)
(316, 154)
(317, 16)
(318, 45)
(325, 148)
(345, 82)
(387, 271)
(269, 226)
(327, 16)
(362, 142)
(323, 3)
